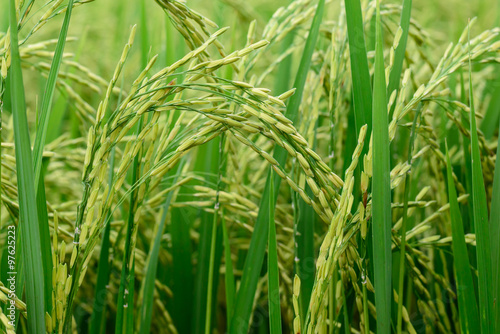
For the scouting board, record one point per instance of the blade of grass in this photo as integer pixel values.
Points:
(43, 123)
(123, 307)
(229, 276)
(28, 222)
(492, 114)
(467, 304)
(45, 242)
(129, 309)
(148, 283)
(495, 235)
(207, 164)
(402, 256)
(213, 241)
(41, 134)
(255, 258)
(381, 192)
(399, 53)
(362, 91)
(469, 218)
(47, 97)
(182, 287)
(481, 224)
(103, 270)
(273, 270)
(304, 246)
(305, 256)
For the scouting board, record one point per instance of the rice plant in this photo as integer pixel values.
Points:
(303, 166)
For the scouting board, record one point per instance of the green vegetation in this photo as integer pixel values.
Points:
(302, 166)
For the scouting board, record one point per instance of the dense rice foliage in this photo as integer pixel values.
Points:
(233, 166)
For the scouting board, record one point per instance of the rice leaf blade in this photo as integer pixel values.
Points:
(399, 53)
(406, 195)
(229, 276)
(495, 235)
(481, 224)
(381, 191)
(362, 90)
(28, 222)
(273, 271)
(467, 304)
(148, 284)
(253, 263)
(46, 107)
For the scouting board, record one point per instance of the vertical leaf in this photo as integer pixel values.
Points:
(28, 217)
(362, 91)
(381, 192)
(255, 258)
(273, 271)
(467, 305)
(402, 257)
(481, 225)
(495, 235)
(213, 241)
(399, 53)
(103, 270)
(206, 163)
(47, 97)
(229, 277)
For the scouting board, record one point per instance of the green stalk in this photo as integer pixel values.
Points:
(467, 305)
(48, 95)
(381, 192)
(208, 315)
(45, 242)
(206, 163)
(124, 292)
(399, 53)
(362, 91)
(365, 307)
(273, 271)
(97, 319)
(41, 134)
(402, 256)
(148, 283)
(495, 235)
(28, 217)
(229, 277)
(492, 114)
(253, 263)
(304, 249)
(481, 224)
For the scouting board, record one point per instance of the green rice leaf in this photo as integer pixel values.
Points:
(467, 304)
(123, 306)
(229, 276)
(381, 191)
(28, 216)
(211, 286)
(273, 271)
(45, 243)
(182, 285)
(253, 263)
(97, 319)
(495, 235)
(207, 163)
(148, 284)
(399, 53)
(362, 91)
(492, 114)
(402, 257)
(481, 225)
(46, 107)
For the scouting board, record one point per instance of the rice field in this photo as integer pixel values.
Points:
(288, 166)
